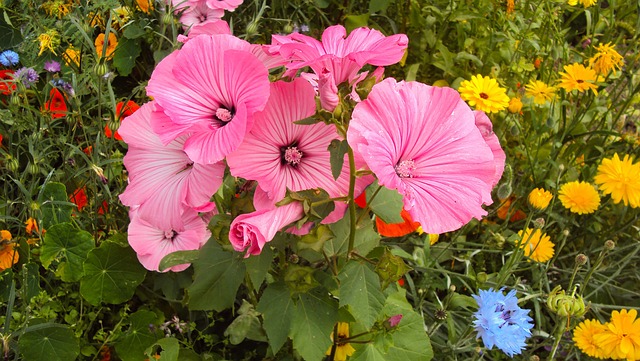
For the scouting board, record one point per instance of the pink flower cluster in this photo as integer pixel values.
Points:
(215, 109)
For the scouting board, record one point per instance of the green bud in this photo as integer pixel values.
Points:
(390, 268)
(167, 18)
(252, 28)
(12, 164)
(566, 305)
(33, 168)
(300, 279)
(100, 69)
(287, 28)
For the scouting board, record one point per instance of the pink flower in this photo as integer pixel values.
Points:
(254, 230)
(486, 129)
(196, 13)
(281, 155)
(210, 90)
(423, 142)
(152, 242)
(163, 181)
(340, 55)
(229, 5)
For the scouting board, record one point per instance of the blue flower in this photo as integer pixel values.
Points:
(9, 58)
(501, 322)
(28, 76)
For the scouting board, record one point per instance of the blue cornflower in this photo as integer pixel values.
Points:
(501, 322)
(9, 58)
(27, 76)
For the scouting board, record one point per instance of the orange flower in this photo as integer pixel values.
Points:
(56, 104)
(391, 229)
(88, 150)
(146, 6)
(79, 197)
(505, 208)
(123, 110)
(31, 225)
(8, 254)
(111, 45)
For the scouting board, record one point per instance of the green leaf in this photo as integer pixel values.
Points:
(458, 300)
(111, 274)
(132, 344)
(258, 266)
(410, 342)
(378, 5)
(54, 205)
(337, 150)
(217, 276)
(277, 310)
(387, 203)
(368, 352)
(133, 31)
(366, 238)
(313, 320)
(178, 258)
(308, 121)
(124, 58)
(69, 246)
(170, 349)
(52, 342)
(30, 274)
(360, 290)
(355, 21)
(246, 325)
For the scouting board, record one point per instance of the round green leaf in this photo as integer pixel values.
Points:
(51, 342)
(68, 245)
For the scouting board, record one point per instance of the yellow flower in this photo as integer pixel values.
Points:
(71, 56)
(511, 6)
(49, 40)
(540, 91)
(536, 245)
(111, 45)
(579, 197)
(343, 349)
(515, 105)
(578, 77)
(122, 16)
(621, 338)
(606, 59)
(585, 3)
(621, 179)
(583, 336)
(96, 19)
(146, 6)
(540, 198)
(8, 254)
(57, 8)
(484, 94)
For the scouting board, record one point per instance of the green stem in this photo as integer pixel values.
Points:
(352, 203)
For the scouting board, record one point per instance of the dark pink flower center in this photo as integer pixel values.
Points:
(405, 168)
(169, 235)
(292, 156)
(224, 114)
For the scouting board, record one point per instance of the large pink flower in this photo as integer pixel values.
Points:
(229, 5)
(152, 242)
(281, 155)
(486, 129)
(162, 179)
(423, 142)
(254, 230)
(209, 89)
(338, 55)
(194, 14)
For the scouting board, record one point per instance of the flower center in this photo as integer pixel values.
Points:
(222, 117)
(292, 156)
(169, 235)
(484, 96)
(405, 168)
(579, 81)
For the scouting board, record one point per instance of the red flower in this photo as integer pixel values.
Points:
(104, 208)
(7, 85)
(88, 150)
(56, 104)
(79, 197)
(123, 110)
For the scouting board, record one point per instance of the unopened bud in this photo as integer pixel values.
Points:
(534, 358)
(252, 28)
(581, 259)
(294, 258)
(392, 321)
(440, 314)
(538, 223)
(609, 245)
(565, 233)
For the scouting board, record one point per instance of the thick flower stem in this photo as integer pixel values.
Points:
(352, 202)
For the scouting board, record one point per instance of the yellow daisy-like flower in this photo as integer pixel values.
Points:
(606, 59)
(621, 338)
(343, 349)
(57, 8)
(71, 56)
(484, 94)
(540, 92)
(583, 336)
(122, 16)
(585, 3)
(578, 77)
(515, 105)
(540, 198)
(621, 179)
(536, 245)
(49, 40)
(8, 254)
(579, 197)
